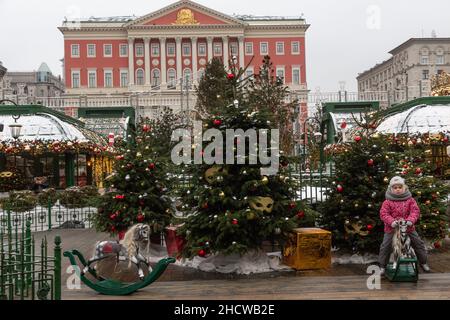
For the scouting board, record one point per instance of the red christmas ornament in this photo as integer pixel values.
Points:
(113, 229)
(140, 217)
(437, 244)
(369, 227)
(235, 221)
(205, 205)
(202, 253)
(230, 76)
(119, 157)
(405, 166)
(357, 138)
(445, 139)
(122, 234)
(113, 216)
(300, 214)
(339, 188)
(145, 128)
(292, 205)
(151, 166)
(217, 122)
(343, 125)
(119, 197)
(418, 171)
(370, 162)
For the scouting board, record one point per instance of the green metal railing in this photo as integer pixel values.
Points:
(27, 272)
(43, 218)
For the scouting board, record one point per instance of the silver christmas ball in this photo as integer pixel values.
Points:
(127, 177)
(277, 230)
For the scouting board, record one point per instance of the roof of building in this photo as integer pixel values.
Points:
(44, 68)
(412, 40)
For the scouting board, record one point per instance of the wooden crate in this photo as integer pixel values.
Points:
(308, 248)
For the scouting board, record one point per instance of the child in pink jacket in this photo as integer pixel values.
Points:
(400, 204)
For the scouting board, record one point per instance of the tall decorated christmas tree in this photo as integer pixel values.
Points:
(414, 162)
(137, 191)
(363, 168)
(234, 207)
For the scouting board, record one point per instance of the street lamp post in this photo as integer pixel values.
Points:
(16, 127)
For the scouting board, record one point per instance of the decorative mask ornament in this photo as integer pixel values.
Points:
(212, 173)
(6, 174)
(261, 204)
(356, 228)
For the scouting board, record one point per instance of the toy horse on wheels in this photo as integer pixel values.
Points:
(127, 250)
(404, 267)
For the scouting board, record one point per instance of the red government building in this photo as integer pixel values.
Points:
(140, 55)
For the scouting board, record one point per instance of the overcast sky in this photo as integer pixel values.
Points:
(346, 37)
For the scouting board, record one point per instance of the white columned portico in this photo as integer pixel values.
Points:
(194, 59)
(162, 44)
(179, 54)
(147, 60)
(241, 52)
(131, 62)
(226, 51)
(210, 47)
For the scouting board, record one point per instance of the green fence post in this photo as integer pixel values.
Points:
(49, 214)
(57, 253)
(28, 252)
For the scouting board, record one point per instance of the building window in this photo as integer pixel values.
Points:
(296, 76)
(171, 79)
(200, 73)
(280, 73)
(440, 59)
(217, 49)
(140, 77)
(249, 48)
(123, 50)
(424, 59)
(156, 77)
(280, 48)
(186, 49)
(75, 48)
(264, 48)
(123, 78)
(234, 48)
(139, 50)
(187, 77)
(108, 79)
(249, 73)
(91, 50)
(295, 47)
(107, 50)
(75, 79)
(202, 49)
(155, 49)
(171, 49)
(92, 78)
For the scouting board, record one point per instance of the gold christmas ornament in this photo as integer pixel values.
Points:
(265, 180)
(356, 228)
(261, 204)
(221, 194)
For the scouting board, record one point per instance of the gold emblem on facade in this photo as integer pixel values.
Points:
(440, 85)
(185, 16)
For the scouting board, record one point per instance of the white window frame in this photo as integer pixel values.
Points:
(104, 50)
(105, 72)
(152, 78)
(276, 48)
(234, 48)
(261, 48)
(72, 47)
(281, 68)
(171, 84)
(140, 50)
(217, 45)
(95, 50)
(184, 46)
(422, 61)
(143, 77)
(200, 73)
(292, 48)
(171, 45)
(248, 45)
(296, 68)
(205, 51)
(251, 70)
(123, 45)
(92, 71)
(72, 73)
(155, 48)
(441, 61)
(427, 73)
(124, 71)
